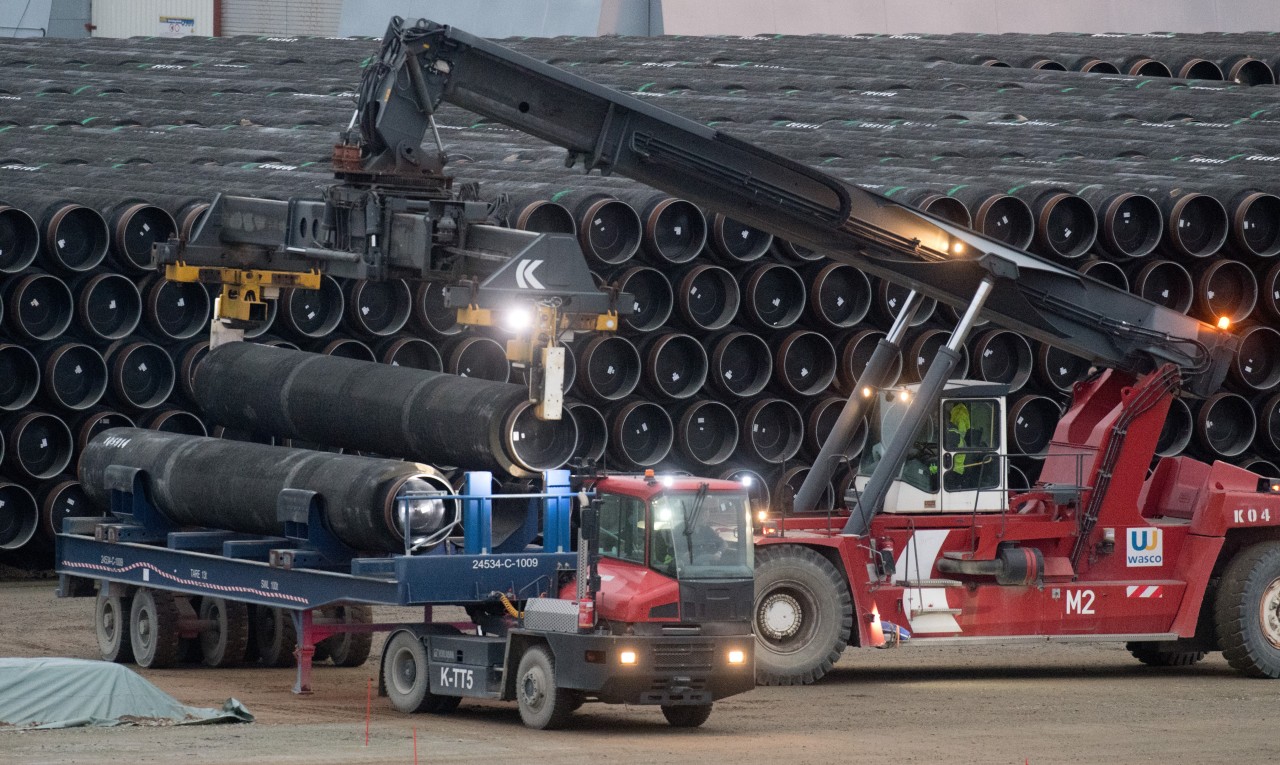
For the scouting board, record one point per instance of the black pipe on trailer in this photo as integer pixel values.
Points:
(196, 481)
(437, 418)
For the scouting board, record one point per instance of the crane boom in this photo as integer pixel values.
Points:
(425, 64)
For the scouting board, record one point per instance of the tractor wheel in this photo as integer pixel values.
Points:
(406, 679)
(275, 636)
(686, 716)
(349, 649)
(543, 704)
(1158, 654)
(153, 629)
(111, 623)
(803, 615)
(223, 644)
(1247, 611)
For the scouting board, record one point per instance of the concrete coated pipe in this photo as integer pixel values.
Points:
(707, 432)
(653, 299)
(1225, 425)
(76, 239)
(773, 295)
(675, 366)
(1164, 282)
(142, 374)
(437, 418)
(19, 240)
(1031, 421)
(60, 498)
(37, 306)
(708, 297)
(416, 353)
(19, 377)
(772, 430)
(642, 434)
(839, 294)
(1002, 356)
(171, 420)
(804, 363)
(735, 242)
(1175, 435)
(109, 307)
(38, 445)
(477, 356)
(378, 309)
(74, 375)
(176, 310)
(608, 368)
(740, 364)
(593, 431)
(312, 314)
(197, 481)
(342, 348)
(1225, 288)
(19, 516)
(430, 313)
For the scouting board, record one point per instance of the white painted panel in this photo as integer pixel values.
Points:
(749, 17)
(141, 18)
(318, 18)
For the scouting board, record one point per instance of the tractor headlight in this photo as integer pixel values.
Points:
(628, 657)
(737, 656)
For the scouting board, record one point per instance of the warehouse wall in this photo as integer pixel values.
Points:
(749, 17)
(132, 18)
(507, 18)
(285, 17)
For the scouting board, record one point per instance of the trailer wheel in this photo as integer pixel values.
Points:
(543, 704)
(686, 716)
(1247, 611)
(111, 623)
(153, 629)
(275, 637)
(405, 675)
(803, 615)
(223, 644)
(1155, 654)
(350, 649)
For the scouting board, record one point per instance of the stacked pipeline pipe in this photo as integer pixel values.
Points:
(1081, 149)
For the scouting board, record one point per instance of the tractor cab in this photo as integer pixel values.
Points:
(674, 549)
(957, 461)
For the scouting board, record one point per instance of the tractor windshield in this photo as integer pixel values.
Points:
(701, 535)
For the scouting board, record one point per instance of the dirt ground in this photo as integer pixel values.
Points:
(994, 704)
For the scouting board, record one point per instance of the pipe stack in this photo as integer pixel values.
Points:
(1082, 149)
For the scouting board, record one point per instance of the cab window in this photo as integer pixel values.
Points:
(970, 433)
(622, 527)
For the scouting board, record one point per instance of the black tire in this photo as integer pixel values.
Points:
(405, 677)
(1247, 611)
(349, 649)
(251, 647)
(223, 644)
(803, 615)
(1157, 654)
(111, 624)
(543, 704)
(153, 629)
(275, 637)
(686, 716)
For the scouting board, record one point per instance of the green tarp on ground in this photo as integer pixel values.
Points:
(67, 693)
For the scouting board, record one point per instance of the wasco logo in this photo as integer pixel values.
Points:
(1145, 547)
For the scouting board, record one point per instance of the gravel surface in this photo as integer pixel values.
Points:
(992, 704)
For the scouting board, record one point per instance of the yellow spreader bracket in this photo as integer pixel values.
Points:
(244, 292)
